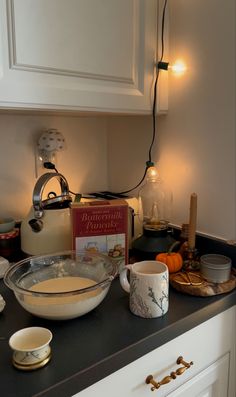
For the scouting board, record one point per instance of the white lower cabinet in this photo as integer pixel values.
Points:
(211, 382)
(211, 348)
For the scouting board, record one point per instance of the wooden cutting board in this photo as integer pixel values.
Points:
(206, 288)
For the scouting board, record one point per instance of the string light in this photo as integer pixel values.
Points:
(177, 68)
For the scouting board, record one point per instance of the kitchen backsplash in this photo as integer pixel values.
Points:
(83, 162)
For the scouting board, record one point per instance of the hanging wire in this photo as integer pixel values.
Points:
(52, 166)
(150, 163)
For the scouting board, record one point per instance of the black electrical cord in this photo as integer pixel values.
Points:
(156, 80)
(51, 166)
(150, 163)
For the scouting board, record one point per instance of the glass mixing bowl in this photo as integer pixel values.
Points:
(63, 285)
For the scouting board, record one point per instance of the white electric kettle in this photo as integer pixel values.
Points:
(47, 228)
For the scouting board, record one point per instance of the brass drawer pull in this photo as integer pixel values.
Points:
(173, 375)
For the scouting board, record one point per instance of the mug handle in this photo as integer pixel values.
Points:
(123, 278)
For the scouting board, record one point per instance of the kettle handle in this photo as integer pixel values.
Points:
(39, 187)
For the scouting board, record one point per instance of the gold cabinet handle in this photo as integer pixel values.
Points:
(168, 378)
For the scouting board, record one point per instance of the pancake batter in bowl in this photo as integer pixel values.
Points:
(63, 307)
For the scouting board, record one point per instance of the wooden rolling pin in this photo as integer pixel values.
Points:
(192, 221)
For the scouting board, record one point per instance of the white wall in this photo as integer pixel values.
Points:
(197, 138)
(83, 163)
(128, 145)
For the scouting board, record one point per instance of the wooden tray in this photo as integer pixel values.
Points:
(206, 288)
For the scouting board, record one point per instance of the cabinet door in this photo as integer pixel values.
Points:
(211, 348)
(212, 382)
(80, 54)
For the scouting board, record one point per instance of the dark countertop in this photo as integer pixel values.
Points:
(87, 349)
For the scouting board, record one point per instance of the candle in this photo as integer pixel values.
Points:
(192, 221)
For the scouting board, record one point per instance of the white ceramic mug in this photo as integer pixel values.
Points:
(148, 288)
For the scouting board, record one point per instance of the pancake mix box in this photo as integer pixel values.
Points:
(101, 226)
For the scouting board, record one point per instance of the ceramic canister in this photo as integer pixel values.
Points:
(215, 268)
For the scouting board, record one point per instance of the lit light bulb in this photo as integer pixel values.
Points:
(178, 67)
(152, 172)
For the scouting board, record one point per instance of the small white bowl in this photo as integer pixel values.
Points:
(31, 347)
(4, 266)
(6, 225)
(2, 303)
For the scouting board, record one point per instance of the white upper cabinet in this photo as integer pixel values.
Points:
(87, 55)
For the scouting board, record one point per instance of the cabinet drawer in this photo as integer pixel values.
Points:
(211, 382)
(204, 345)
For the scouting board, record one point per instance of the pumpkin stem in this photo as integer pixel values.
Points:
(173, 246)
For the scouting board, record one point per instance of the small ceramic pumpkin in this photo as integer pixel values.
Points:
(173, 260)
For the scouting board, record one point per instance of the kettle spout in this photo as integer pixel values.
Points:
(36, 225)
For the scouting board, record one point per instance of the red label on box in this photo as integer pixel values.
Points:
(101, 227)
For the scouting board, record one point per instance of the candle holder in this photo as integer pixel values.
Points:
(191, 259)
